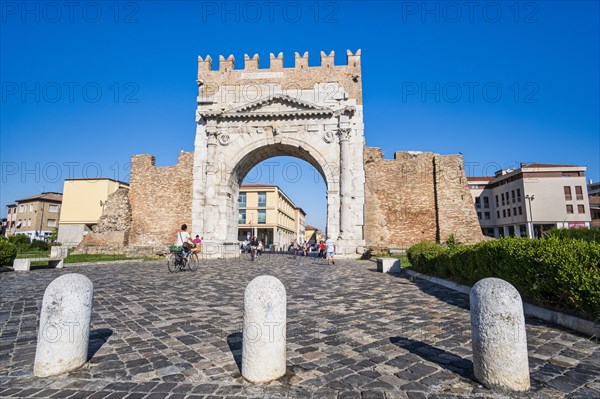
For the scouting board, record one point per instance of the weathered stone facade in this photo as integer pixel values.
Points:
(112, 230)
(161, 200)
(417, 196)
(246, 116)
(116, 215)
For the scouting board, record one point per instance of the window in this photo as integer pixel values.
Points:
(51, 222)
(474, 185)
(242, 201)
(486, 202)
(477, 202)
(520, 210)
(53, 208)
(514, 199)
(262, 200)
(503, 213)
(30, 207)
(518, 195)
(262, 216)
(242, 216)
(498, 214)
(569, 208)
(502, 199)
(497, 204)
(578, 192)
(568, 196)
(21, 208)
(570, 174)
(508, 212)
(29, 222)
(580, 209)
(486, 215)
(479, 215)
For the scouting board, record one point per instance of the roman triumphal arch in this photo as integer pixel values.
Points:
(245, 116)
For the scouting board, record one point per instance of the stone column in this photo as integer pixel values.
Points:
(498, 336)
(264, 337)
(64, 331)
(345, 183)
(211, 213)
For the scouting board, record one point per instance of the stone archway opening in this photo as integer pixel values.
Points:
(255, 154)
(295, 191)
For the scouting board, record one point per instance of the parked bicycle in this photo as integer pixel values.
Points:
(177, 260)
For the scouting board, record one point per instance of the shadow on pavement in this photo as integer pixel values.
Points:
(235, 346)
(444, 359)
(442, 293)
(97, 339)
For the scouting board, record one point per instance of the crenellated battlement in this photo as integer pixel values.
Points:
(276, 62)
(255, 77)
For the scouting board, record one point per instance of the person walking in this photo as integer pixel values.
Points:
(253, 248)
(321, 250)
(331, 249)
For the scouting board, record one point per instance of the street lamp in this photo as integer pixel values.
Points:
(530, 198)
(39, 233)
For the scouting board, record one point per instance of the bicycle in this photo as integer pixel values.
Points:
(176, 264)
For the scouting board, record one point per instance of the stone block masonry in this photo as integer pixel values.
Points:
(112, 231)
(243, 85)
(161, 200)
(417, 196)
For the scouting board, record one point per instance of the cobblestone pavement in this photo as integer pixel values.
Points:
(352, 333)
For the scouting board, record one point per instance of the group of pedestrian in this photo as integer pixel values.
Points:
(327, 249)
(247, 246)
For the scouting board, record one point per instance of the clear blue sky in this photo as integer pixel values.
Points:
(84, 88)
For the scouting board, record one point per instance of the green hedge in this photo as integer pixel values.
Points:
(556, 272)
(8, 253)
(592, 234)
(23, 244)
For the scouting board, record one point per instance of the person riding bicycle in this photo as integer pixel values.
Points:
(184, 240)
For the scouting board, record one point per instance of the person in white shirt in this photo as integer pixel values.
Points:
(330, 249)
(184, 237)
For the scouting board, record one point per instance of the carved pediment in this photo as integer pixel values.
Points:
(274, 107)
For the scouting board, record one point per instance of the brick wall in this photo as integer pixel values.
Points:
(416, 197)
(161, 200)
(456, 212)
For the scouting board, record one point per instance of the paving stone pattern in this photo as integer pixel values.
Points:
(352, 333)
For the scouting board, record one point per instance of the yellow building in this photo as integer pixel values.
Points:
(267, 213)
(83, 202)
(313, 234)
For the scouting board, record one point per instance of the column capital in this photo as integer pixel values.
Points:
(211, 134)
(344, 133)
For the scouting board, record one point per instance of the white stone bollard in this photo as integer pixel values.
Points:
(498, 336)
(388, 265)
(64, 331)
(264, 341)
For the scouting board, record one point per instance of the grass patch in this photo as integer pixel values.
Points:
(81, 258)
(404, 262)
(28, 255)
(87, 258)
